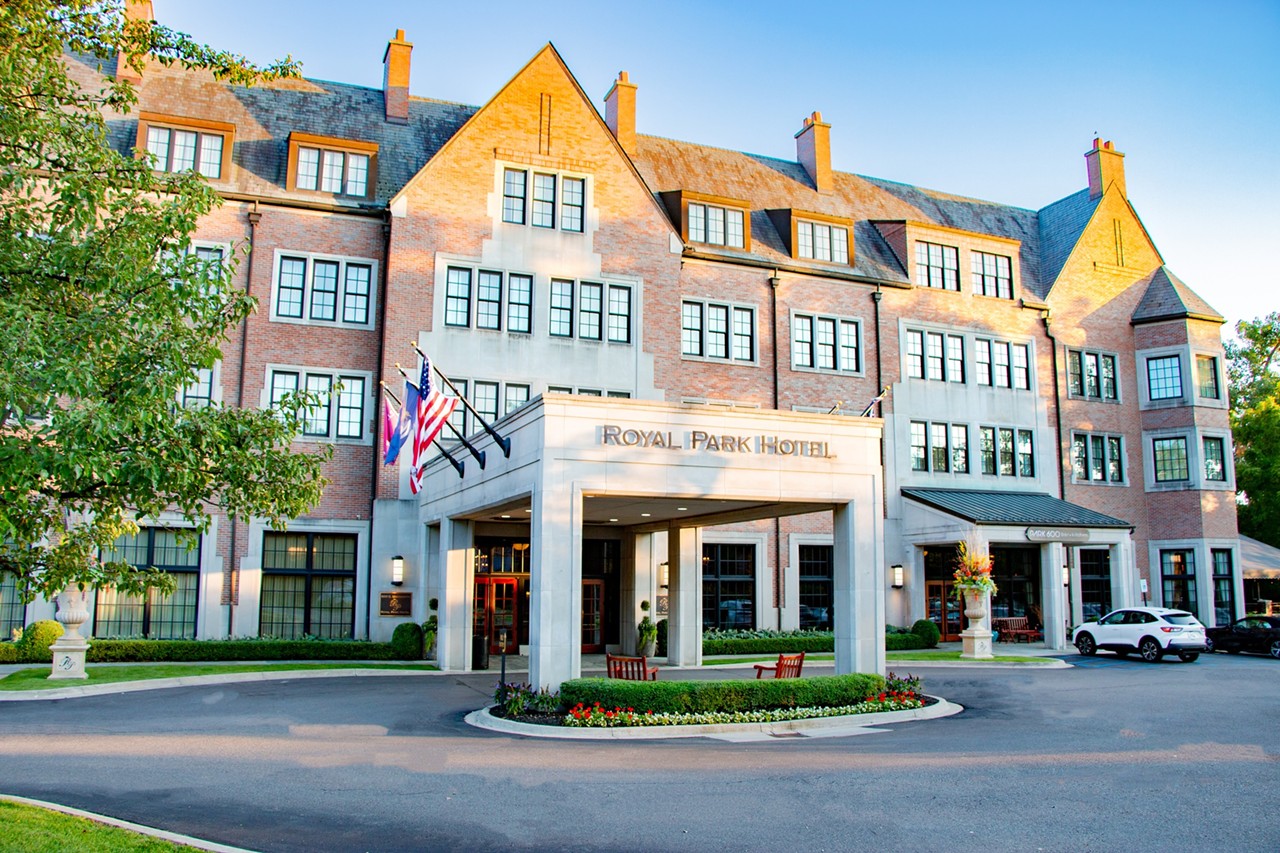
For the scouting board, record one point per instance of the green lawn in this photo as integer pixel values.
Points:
(34, 830)
(914, 654)
(37, 678)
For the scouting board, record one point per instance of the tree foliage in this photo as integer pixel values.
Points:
(1254, 378)
(105, 317)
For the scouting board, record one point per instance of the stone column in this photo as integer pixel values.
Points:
(684, 624)
(555, 586)
(457, 568)
(858, 587)
(69, 650)
(1053, 606)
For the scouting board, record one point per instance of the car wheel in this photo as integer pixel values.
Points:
(1086, 646)
(1275, 649)
(1150, 650)
(1188, 657)
(1208, 645)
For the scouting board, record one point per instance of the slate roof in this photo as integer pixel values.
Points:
(1167, 298)
(1061, 225)
(1258, 559)
(986, 507)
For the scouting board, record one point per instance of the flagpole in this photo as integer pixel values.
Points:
(478, 454)
(460, 467)
(503, 442)
(866, 413)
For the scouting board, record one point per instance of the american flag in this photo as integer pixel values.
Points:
(433, 408)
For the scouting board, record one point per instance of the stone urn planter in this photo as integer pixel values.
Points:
(976, 639)
(69, 649)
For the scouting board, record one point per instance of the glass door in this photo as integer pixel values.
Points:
(495, 610)
(592, 616)
(944, 609)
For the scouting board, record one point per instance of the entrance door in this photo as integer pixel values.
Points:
(944, 609)
(593, 616)
(495, 609)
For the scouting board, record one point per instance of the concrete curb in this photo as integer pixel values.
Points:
(197, 681)
(1052, 663)
(853, 724)
(165, 835)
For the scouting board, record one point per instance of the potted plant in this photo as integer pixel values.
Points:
(646, 633)
(973, 584)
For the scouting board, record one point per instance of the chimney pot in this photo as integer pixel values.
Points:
(620, 111)
(395, 79)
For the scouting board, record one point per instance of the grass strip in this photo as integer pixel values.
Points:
(36, 830)
(941, 654)
(37, 678)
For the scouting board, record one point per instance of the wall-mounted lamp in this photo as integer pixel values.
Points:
(397, 570)
(664, 575)
(1066, 576)
(897, 577)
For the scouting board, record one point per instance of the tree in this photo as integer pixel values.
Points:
(1254, 380)
(105, 318)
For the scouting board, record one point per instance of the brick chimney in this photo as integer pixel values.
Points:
(395, 79)
(134, 10)
(620, 112)
(813, 150)
(1106, 167)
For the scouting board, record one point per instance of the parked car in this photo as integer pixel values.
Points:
(1251, 634)
(1152, 632)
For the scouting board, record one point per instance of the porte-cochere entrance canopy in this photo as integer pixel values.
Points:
(652, 475)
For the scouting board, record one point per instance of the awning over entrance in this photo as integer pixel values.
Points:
(1258, 560)
(1031, 508)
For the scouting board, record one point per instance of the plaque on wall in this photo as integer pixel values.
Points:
(395, 604)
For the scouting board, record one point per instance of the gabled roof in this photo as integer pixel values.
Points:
(1168, 298)
(1061, 225)
(986, 507)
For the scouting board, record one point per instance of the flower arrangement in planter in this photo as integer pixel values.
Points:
(646, 633)
(973, 571)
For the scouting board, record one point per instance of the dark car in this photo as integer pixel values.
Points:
(1251, 634)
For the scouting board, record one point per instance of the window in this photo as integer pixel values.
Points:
(955, 358)
(1224, 587)
(561, 308)
(1207, 376)
(590, 310)
(982, 358)
(1097, 458)
(1164, 378)
(341, 167)
(153, 616)
(821, 242)
(1095, 582)
(520, 303)
(919, 446)
(1091, 375)
(1021, 366)
(1001, 364)
(488, 300)
(717, 226)
(1178, 574)
(915, 355)
(1006, 451)
(485, 398)
(308, 585)
(176, 144)
(960, 448)
(1215, 459)
(717, 331)
(1170, 460)
(535, 203)
(327, 417)
(199, 394)
(619, 314)
(937, 266)
(939, 452)
(824, 343)
(815, 571)
(517, 396)
(13, 613)
(992, 275)
(935, 356)
(728, 586)
(457, 297)
(317, 289)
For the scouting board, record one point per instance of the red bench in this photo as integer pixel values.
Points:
(630, 668)
(788, 666)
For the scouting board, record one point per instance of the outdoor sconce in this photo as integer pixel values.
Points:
(397, 570)
(664, 575)
(897, 577)
(1066, 576)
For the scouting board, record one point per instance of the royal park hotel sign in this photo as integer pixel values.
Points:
(697, 440)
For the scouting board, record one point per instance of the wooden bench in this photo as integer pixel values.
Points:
(788, 666)
(630, 668)
(1016, 629)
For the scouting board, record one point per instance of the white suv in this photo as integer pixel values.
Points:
(1150, 631)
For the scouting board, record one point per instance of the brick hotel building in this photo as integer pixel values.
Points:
(680, 342)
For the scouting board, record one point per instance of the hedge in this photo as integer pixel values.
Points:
(825, 691)
(769, 645)
(149, 651)
(903, 642)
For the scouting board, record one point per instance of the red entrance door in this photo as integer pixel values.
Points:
(593, 616)
(495, 610)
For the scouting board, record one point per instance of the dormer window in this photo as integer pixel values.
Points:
(339, 167)
(819, 241)
(992, 275)
(719, 226)
(937, 266)
(176, 144)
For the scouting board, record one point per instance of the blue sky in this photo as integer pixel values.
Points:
(996, 100)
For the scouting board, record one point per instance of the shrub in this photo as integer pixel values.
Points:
(661, 650)
(928, 631)
(406, 641)
(144, 651)
(8, 653)
(728, 696)
(824, 642)
(33, 646)
(902, 642)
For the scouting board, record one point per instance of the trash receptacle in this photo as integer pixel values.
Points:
(479, 652)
